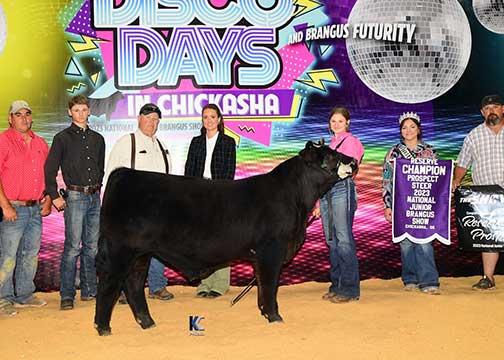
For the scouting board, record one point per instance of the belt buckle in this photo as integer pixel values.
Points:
(30, 202)
(90, 189)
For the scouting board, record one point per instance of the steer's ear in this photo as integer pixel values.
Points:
(307, 150)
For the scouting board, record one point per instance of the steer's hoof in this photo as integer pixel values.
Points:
(103, 331)
(275, 319)
(146, 324)
(153, 325)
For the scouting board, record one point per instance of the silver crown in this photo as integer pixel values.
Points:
(409, 115)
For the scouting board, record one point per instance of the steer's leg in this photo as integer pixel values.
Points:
(269, 264)
(135, 292)
(110, 284)
(260, 293)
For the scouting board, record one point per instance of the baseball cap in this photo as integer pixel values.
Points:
(491, 99)
(18, 105)
(149, 109)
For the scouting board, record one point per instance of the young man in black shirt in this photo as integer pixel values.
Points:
(80, 153)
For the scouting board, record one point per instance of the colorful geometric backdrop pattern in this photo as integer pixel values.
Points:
(374, 121)
(378, 257)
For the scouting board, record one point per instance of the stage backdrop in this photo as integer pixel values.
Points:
(276, 68)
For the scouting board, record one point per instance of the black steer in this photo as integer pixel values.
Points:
(197, 225)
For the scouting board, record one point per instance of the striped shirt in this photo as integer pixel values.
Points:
(484, 151)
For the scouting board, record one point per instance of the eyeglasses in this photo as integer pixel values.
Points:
(150, 118)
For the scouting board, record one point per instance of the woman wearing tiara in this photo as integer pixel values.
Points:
(419, 270)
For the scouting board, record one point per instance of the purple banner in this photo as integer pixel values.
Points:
(261, 105)
(421, 207)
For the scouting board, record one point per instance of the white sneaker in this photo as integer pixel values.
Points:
(7, 309)
(410, 287)
(32, 302)
(431, 290)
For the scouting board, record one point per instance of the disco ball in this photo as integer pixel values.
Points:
(418, 71)
(3, 29)
(490, 14)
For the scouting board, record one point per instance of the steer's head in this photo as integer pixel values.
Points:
(333, 162)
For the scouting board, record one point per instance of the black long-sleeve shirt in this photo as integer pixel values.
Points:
(81, 155)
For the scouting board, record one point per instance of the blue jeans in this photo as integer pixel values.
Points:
(418, 265)
(82, 223)
(156, 278)
(19, 248)
(344, 270)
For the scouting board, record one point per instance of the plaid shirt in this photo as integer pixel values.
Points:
(223, 158)
(484, 151)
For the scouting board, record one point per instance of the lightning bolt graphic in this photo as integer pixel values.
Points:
(75, 87)
(234, 135)
(94, 78)
(318, 77)
(305, 6)
(87, 44)
(246, 128)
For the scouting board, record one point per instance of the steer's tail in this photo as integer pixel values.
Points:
(102, 257)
